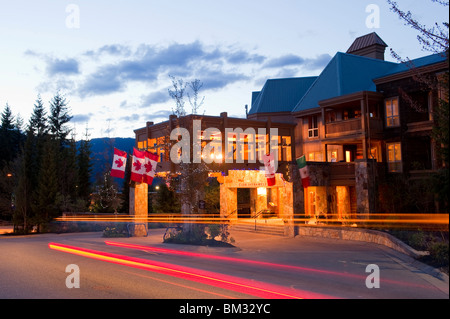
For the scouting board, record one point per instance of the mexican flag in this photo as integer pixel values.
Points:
(303, 168)
(138, 166)
(119, 163)
(151, 160)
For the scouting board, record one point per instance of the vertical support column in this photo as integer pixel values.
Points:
(139, 208)
(365, 178)
(323, 135)
(363, 127)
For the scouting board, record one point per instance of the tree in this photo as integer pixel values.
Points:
(7, 137)
(47, 193)
(38, 120)
(26, 183)
(58, 118)
(84, 164)
(165, 201)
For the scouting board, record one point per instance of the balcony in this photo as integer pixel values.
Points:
(353, 127)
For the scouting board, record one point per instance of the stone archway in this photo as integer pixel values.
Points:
(277, 198)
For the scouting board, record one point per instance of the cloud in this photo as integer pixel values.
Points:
(81, 118)
(161, 114)
(130, 118)
(283, 61)
(66, 67)
(112, 49)
(155, 98)
(291, 60)
(117, 67)
(318, 63)
(104, 81)
(242, 56)
(217, 79)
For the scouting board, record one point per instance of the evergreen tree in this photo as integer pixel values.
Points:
(7, 137)
(26, 181)
(84, 164)
(58, 118)
(38, 121)
(48, 197)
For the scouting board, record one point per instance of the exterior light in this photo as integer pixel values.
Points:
(261, 191)
(157, 187)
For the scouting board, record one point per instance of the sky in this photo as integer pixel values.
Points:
(113, 60)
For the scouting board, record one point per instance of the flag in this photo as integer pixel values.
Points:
(303, 168)
(270, 169)
(138, 166)
(119, 163)
(151, 160)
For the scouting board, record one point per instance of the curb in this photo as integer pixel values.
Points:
(365, 235)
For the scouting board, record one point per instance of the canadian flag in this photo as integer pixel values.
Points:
(269, 165)
(119, 163)
(138, 166)
(151, 160)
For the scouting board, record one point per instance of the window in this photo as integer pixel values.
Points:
(315, 157)
(333, 156)
(394, 157)
(286, 148)
(392, 114)
(313, 129)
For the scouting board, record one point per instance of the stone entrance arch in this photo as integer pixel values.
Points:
(278, 198)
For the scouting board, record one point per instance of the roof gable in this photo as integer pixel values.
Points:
(345, 74)
(280, 95)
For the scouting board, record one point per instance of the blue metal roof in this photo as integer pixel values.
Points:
(417, 63)
(345, 74)
(280, 95)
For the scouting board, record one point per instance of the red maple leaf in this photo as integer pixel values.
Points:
(137, 165)
(148, 167)
(119, 163)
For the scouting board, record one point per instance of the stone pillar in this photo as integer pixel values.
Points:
(139, 208)
(365, 184)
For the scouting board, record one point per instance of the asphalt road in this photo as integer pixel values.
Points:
(260, 266)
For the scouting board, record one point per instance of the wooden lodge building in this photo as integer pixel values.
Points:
(355, 124)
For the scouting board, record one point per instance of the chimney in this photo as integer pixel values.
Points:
(369, 45)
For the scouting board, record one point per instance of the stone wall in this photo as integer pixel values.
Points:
(365, 235)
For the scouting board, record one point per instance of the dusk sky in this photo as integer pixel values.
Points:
(112, 59)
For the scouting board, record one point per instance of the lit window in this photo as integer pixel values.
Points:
(313, 129)
(392, 113)
(394, 157)
(315, 157)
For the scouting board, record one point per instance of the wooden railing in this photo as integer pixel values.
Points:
(343, 126)
(353, 126)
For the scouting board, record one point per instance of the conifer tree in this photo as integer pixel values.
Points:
(84, 164)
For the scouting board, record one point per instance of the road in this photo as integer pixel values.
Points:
(260, 266)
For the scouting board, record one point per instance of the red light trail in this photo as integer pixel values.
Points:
(253, 288)
(360, 278)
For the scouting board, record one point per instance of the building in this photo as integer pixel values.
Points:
(360, 122)
(235, 162)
